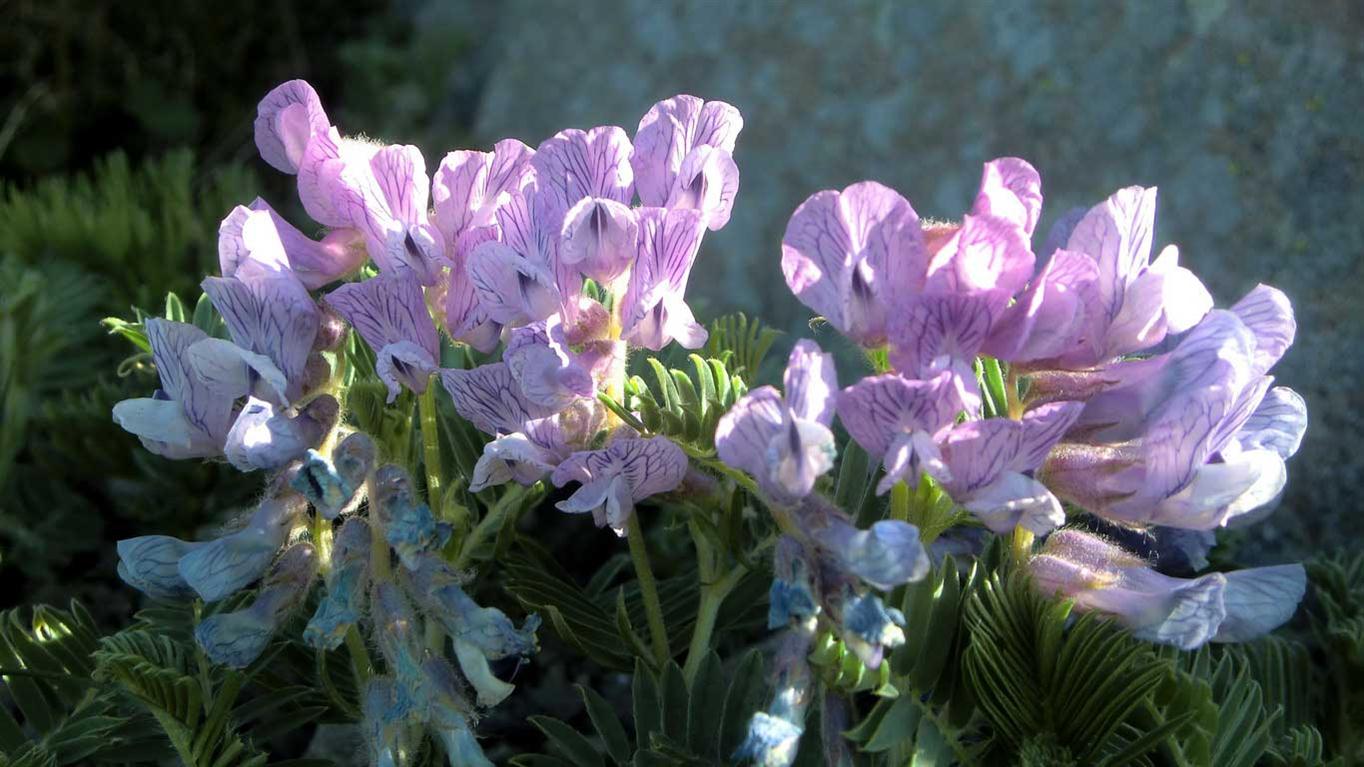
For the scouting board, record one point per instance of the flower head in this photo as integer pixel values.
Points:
(615, 478)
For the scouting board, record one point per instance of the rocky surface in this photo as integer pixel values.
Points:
(1246, 115)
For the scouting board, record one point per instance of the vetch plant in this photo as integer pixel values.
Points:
(1023, 411)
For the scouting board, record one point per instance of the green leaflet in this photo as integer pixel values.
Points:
(742, 342)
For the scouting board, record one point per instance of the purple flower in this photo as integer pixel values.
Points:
(464, 317)
(1010, 189)
(186, 417)
(683, 157)
(843, 252)
(1129, 303)
(286, 120)
(600, 238)
(898, 421)
(785, 443)
(266, 437)
(390, 313)
(268, 311)
(383, 191)
(1220, 607)
(258, 233)
(654, 310)
(575, 164)
(547, 370)
(1195, 438)
(518, 278)
(615, 478)
(489, 397)
(989, 465)
(469, 187)
(972, 273)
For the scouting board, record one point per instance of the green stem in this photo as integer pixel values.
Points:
(360, 664)
(899, 501)
(1015, 404)
(648, 589)
(491, 522)
(426, 408)
(1022, 544)
(712, 598)
(378, 544)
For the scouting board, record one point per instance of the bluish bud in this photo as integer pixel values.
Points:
(868, 627)
(219, 568)
(347, 584)
(151, 564)
(409, 527)
(237, 638)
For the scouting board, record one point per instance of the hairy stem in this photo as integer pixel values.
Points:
(1022, 544)
(712, 598)
(426, 408)
(491, 522)
(648, 589)
(378, 544)
(1015, 404)
(360, 664)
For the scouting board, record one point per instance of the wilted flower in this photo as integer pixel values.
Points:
(1220, 607)
(330, 485)
(613, 479)
(774, 733)
(409, 526)
(237, 638)
(785, 443)
(347, 585)
(223, 566)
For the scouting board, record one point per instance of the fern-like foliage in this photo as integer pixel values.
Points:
(741, 342)
(1337, 618)
(685, 405)
(675, 723)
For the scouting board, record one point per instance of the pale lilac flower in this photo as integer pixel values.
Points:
(1219, 607)
(258, 233)
(990, 463)
(898, 421)
(237, 638)
(390, 313)
(683, 157)
(268, 311)
(654, 310)
(1129, 303)
(840, 250)
(469, 187)
(464, 317)
(489, 397)
(1011, 189)
(186, 417)
(941, 320)
(518, 278)
(547, 370)
(615, 478)
(574, 164)
(1200, 439)
(600, 238)
(383, 191)
(785, 443)
(267, 437)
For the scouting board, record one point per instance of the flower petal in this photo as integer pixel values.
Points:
(708, 181)
(884, 556)
(1011, 189)
(273, 316)
(489, 398)
(262, 438)
(1278, 423)
(811, 382)
(600, 238)
(574, 164)
(1116, 233)
(151, 564)
(878, 408)
(469, 186)
(1259, 600)
(286, 119)
(1269, 315)
(669, 131)
(743, 434)
(387, 309)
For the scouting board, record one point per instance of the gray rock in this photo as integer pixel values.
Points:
(1246, 115)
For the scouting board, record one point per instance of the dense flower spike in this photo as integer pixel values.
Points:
(785, 444)
(1219, 607)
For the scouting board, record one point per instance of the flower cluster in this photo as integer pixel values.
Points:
(1128, 396)
(543, 250)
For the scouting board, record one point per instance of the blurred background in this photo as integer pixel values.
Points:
(125, 136)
